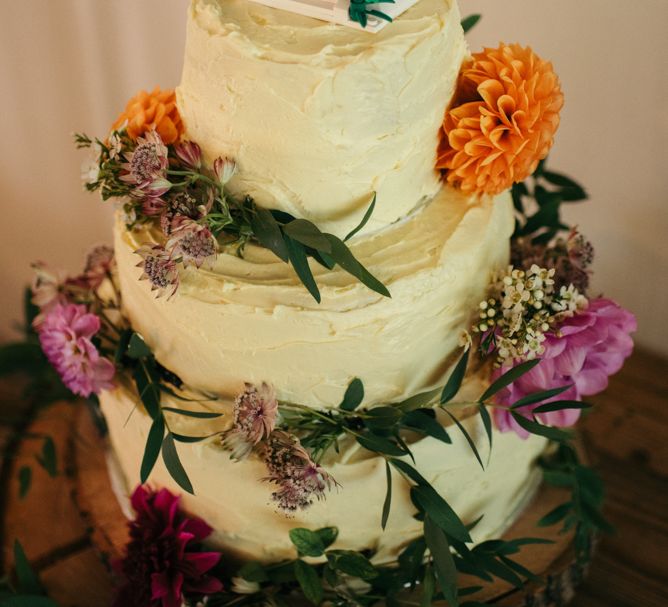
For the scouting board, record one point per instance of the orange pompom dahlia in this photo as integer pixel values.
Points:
(502, 120)
(152, 111)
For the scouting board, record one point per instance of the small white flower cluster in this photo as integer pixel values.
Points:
(522, 308)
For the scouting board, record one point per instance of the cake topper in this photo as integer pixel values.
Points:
(369, 15)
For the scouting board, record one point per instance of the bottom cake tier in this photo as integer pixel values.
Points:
(235, 500)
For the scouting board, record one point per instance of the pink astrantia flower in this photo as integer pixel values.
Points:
(193, 243)
(158, 268)
(99, 265)
(224, 169)
(300, 480)
(590, 346)
(65, 336)
(189, 153)
(162, 562)
(147, 163)
(255, 413)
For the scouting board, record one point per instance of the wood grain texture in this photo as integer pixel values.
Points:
(625, 436)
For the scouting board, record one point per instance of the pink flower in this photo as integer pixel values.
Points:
(224, 168)
(158, 268)
(99, 264)
(193, 243)
(47, 290)
(147, 163)
(255, 413)
(300, 480)
(189, 153)
(162, 562)
(66, 338)
(589, 347)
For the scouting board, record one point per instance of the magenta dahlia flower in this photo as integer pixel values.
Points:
(590, 346)
(162, 562)
(66, 334)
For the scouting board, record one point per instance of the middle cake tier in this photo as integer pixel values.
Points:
(249, 319)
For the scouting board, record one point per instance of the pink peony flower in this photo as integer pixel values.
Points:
(162, 562)
(590, 346)
(65, 335)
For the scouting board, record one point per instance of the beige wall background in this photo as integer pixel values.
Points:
(69, 65)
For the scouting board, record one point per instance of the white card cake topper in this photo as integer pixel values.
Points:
(336, 11)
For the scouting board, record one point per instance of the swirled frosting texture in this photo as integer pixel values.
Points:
(250, 319)
(231, 497)
(319, 116)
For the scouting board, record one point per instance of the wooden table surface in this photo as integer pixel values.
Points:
(627, 439)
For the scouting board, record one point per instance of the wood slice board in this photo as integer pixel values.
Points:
(87, 529)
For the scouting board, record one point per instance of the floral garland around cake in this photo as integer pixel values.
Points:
(547, 342)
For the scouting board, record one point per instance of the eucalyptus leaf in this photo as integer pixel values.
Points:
(455, 380)
(436, 508)
(182, 438)
(353, 396)
(343, 256)
(268, 233)
(26, 578)
(149, 393)
(364, 221)
(300, 264)
(253, 572)
(556, 515)
(387, 504)
(306, 233)
(467, 437)
(382, 418)
(561, 405)
(508, 378)
(309, 581)
(379, 444)
(521, 570)
(444, 564)
(307, 542)
(123, 342)
(152, 449)
(173, 464)
(419, 400)
(487, 423)
(538, 397)
(428, 587)
(48, 458)
(538, 429)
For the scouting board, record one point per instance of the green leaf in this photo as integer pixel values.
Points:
(152, 449)
(508, 378)
(419, 400)
(561, 405)
(171, 458)
(364, 221)
(268, 233)
(468, 438)
(328, 535)
(123, 343)
(195, 414)
(379, 444)
(537, 397)
(182, 438)
(20, 356)
(137, 347)
(427, 587)
(382, 418)
(424, 420)
(469, 22)
(388, 496)
(307, 542)
(523, 571)
(444, 563)
(354, 395)
(548, 432)
(343, 256)
(487, 423)
(556, 515)
(455, 379)
(48, 458)
(149, 393)
(309, 582)
(30, 310)
(309, 235)
(25, 480)
(253, 572)
(26, 578)
(560, 180)
(440, 512)
(355, 564)
(299, 262)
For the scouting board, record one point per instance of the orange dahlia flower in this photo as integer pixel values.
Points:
(155, 110)
(502, 120)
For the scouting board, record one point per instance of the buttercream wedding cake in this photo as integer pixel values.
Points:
(311, 327)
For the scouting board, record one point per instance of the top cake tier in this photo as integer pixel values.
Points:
(319, 116)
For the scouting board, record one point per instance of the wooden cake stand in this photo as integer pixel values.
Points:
(73, 521)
